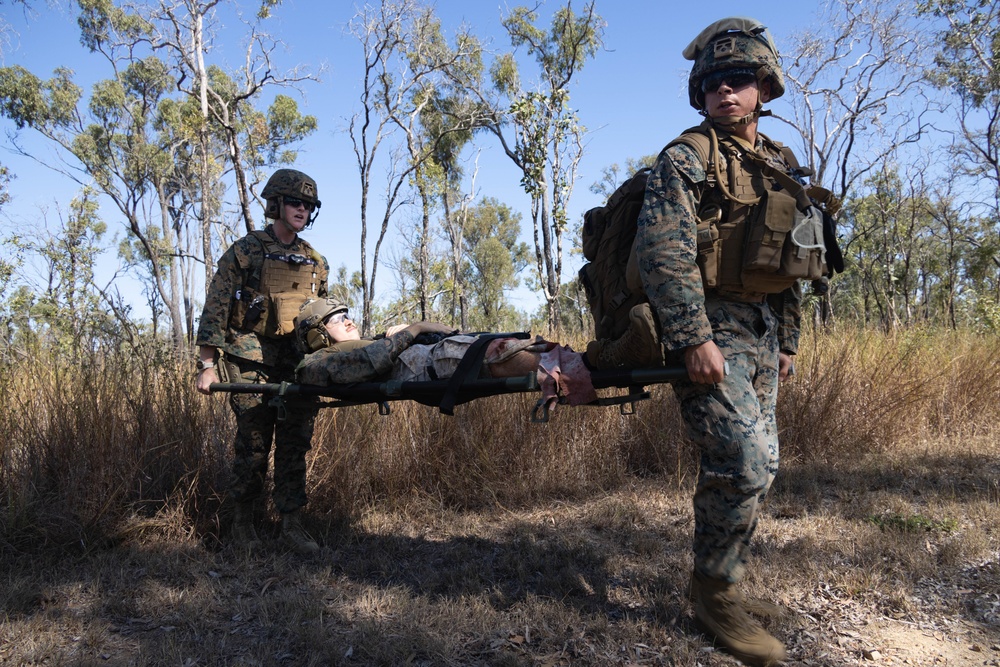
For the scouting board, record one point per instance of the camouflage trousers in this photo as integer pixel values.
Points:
(733, 425)
(257, 425)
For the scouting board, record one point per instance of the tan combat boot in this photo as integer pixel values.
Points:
(638, 347)
(296, 536)
(718, 609)
(753, 606)
(242, 531)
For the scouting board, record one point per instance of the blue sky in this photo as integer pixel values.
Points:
(631, 97)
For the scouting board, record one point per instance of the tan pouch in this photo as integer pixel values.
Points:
(802, 257)
(284, 308)
(709, 246)
(768, 229)
(803, 254)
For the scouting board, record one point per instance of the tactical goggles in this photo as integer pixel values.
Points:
(337, 318)
(295, 203)
(734, 78)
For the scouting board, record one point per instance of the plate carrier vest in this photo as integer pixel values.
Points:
(276, 289)
(746, 217)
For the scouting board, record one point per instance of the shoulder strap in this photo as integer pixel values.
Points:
(787, 155)
(263, 238)
(793, 186)
(468, 369)
(697, 140)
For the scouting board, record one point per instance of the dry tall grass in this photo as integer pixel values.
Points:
(88, 449)
(482, 538)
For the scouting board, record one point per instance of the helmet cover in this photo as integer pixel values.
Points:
(733, 43)
(289, 183)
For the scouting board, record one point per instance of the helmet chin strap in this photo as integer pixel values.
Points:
(727, 123)
(281, 218)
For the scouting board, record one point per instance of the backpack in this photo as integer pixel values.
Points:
(610, 278)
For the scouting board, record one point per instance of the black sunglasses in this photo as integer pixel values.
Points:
(295, 203)
(735, 78)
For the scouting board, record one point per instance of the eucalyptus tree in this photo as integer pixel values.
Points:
(545, 139)
(450, 121)
(156, 146)
(436, 124)
(967, 63)
(905, 255)
(494, 259)
(614, 174)
(405, 63)
(111, 140)
(228, 133)
(856, 89)
(65, 305)
(857, 95)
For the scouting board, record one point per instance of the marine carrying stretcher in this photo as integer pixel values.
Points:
(464, 386)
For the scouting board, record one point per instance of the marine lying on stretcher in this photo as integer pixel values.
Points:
(433, 364)
(427, 351)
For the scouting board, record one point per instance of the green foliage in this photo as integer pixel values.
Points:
(572, 40)
(505, 75)
(5, 177)
(913, 523)
(547, 133)
(614, 175)
(968, 64)
(495, 258)
(969, 58)
(912, 257)
(67, 310)
(143, 139)
(987, 314)
(102, 24)
(575, 319)
(31, 102)
(347, 289)
(265, 8)
(285, 126)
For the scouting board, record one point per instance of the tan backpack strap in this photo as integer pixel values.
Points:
(827, 200)
(704, 141)
(697, 141)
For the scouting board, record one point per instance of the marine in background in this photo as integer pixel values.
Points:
(246, 334)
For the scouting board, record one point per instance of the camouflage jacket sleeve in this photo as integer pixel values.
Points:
(787, 306)
(228, 278)
(359, 364)
(667, 247)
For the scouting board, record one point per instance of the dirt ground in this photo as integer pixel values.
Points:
(597, 581)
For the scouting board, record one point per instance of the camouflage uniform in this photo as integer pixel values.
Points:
(353, 360)
(250, 357)
(394, 357)
(733, 421)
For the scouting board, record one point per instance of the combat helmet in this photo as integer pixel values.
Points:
(289, 183)
(733, 43)
(310, 323)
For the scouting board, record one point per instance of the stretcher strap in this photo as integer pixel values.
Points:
(468, 369)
